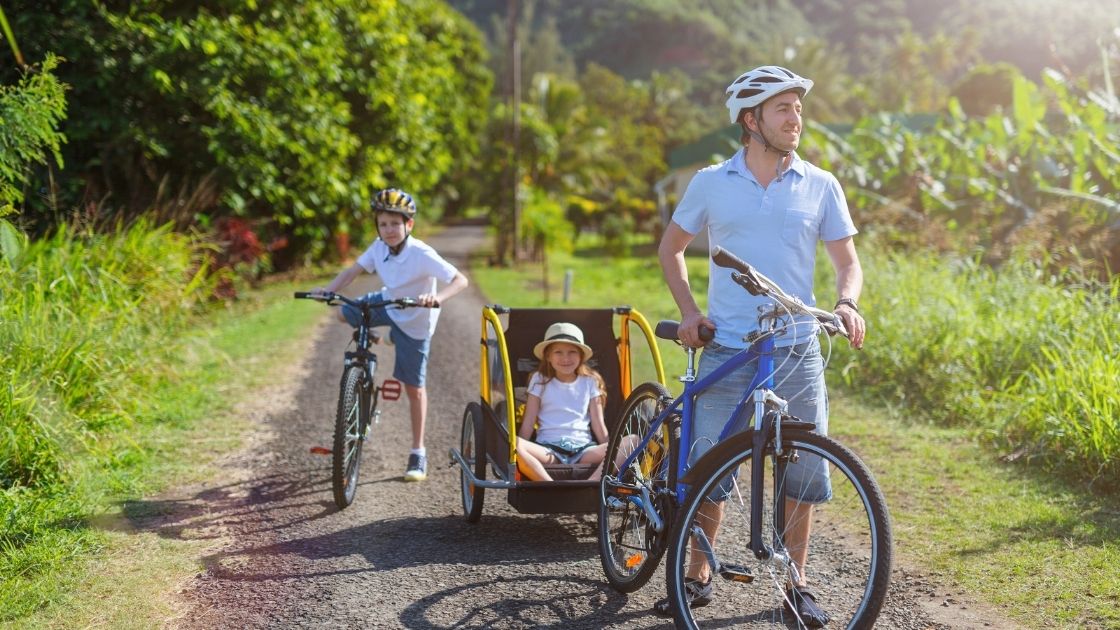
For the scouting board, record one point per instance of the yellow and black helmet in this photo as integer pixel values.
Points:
(394, 200)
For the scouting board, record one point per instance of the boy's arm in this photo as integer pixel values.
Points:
(342, 280)
(457, 284)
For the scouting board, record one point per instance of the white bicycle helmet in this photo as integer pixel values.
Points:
(753, 87)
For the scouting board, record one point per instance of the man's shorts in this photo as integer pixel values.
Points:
(411, 365)
(799, 379)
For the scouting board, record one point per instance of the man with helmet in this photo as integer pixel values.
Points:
(769, 207)
(409, 268)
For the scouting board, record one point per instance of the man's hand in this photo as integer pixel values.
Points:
(427, 299)
(853, 321)
(689, 330)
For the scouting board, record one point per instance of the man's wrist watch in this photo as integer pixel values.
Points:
(849, 301)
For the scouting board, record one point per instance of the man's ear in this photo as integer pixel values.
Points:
(748, 118)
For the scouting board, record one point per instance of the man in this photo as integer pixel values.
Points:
(769, 207)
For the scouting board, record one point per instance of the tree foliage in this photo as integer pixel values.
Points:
(30, 114)
(1041, 175)
(294, 112)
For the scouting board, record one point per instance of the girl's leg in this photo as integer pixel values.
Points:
(531, 458)
(594, 455)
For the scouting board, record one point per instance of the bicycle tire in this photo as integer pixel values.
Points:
(350, 424)
(472, 445)
(849, 559)
(630, 547)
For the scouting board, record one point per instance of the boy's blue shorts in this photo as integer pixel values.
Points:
(411, 365)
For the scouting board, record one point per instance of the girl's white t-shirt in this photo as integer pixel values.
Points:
(564, 408)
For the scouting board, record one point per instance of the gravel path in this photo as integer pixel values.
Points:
(402, 556)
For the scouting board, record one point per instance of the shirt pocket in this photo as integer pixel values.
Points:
(800, 227)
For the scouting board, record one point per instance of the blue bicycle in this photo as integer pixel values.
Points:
(744, 489)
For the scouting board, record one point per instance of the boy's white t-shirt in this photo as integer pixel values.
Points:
(412, 272)
(564, 408)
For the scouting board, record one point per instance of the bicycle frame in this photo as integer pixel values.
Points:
(759, 393)
(762, 351)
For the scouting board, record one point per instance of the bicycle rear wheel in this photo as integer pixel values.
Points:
(849, 553)
(631, 543)
(350, 425)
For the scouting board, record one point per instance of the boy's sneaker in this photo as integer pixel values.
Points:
(417, 468)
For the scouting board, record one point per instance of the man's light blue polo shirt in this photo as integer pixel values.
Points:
(775, 229)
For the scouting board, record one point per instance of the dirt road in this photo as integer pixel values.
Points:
(402, 556)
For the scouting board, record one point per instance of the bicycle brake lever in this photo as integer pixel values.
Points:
(750, 282)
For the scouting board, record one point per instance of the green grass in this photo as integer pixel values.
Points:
(1038, 545)
(1030, 362)
(118, 385)
(236, 352)
(1044, 551)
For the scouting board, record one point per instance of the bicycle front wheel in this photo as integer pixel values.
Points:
(350, 424)
(634, 504)
(845, 519)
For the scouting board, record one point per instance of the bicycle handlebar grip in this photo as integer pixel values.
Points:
(706, 334)
(302, 295)
(724, 258)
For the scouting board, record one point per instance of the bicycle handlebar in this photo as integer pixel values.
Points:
(756, 283)
(332, 298)
(667, 329)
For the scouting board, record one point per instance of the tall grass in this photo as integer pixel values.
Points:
(86, 321)
(1030, 360)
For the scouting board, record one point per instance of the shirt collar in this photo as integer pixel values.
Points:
(738, 164)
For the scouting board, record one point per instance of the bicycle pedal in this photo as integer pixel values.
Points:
(736, 573)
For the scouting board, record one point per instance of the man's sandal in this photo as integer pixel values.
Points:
(803, 602)
(699, 594)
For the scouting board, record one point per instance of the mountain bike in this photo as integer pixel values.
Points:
(652, 501)
(358, 394)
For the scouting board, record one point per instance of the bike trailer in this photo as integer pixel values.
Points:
(490, 425)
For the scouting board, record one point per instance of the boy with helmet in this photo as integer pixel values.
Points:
(409, 268)
(769, 207)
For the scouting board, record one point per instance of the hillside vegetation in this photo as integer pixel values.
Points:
(158, 156)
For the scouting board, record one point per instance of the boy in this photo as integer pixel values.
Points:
(409, 268)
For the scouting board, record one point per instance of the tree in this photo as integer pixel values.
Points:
(294, 112)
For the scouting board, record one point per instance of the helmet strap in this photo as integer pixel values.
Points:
(766, 146)
(393, 251)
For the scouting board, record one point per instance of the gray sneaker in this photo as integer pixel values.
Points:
(417, 468)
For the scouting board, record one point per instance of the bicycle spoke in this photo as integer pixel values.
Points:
(848, 553)
(633, 512)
